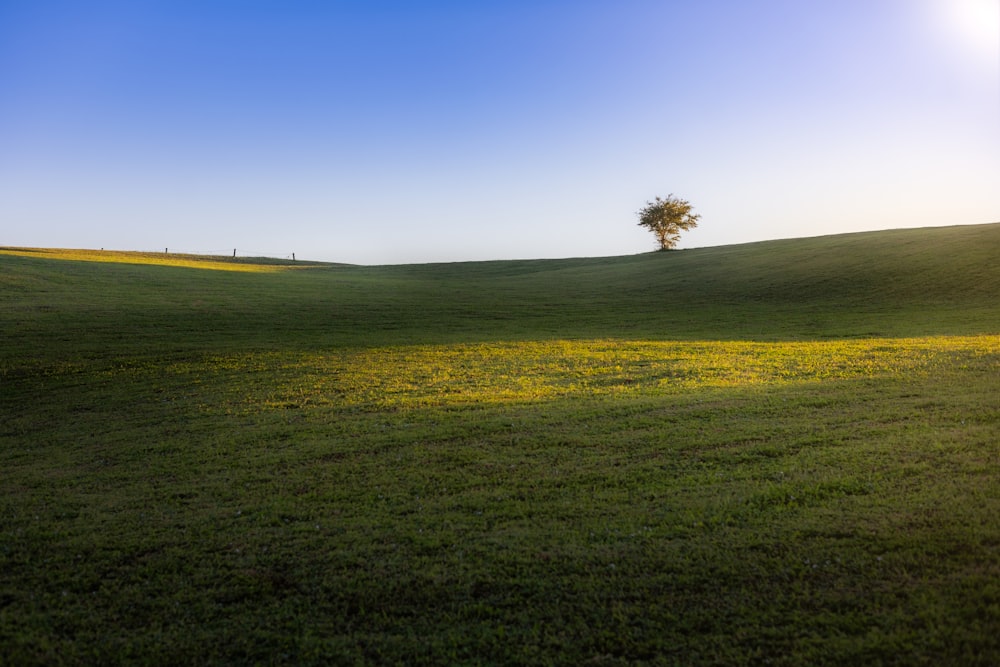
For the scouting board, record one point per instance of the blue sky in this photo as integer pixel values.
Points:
(386, 131)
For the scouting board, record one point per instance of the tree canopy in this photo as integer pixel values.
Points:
(667, 218)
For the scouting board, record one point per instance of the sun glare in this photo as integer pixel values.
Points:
(974, 25)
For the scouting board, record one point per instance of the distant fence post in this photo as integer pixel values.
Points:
(293, 256)
(234, 253)
(166, 251)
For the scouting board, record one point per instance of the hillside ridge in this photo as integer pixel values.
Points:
(185, 259)
(927, 281)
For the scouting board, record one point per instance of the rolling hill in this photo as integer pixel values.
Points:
(892, 283)
(774, 453)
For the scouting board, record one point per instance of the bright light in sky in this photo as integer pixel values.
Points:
(380, 131)
(976, 26)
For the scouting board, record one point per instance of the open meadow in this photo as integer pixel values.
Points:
(781, 453)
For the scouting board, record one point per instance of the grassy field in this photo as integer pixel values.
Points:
(777, 453)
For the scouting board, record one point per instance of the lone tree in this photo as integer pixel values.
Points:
(667, 218)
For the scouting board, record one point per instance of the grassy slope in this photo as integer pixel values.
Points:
(896, 283)
(713, 456)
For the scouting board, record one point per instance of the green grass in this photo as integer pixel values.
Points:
(777, 453)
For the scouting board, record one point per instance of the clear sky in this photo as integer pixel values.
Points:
(384, 131)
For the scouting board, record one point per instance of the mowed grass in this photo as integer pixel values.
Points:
(776, 453)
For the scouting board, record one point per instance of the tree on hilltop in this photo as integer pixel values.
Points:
(667, 218)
